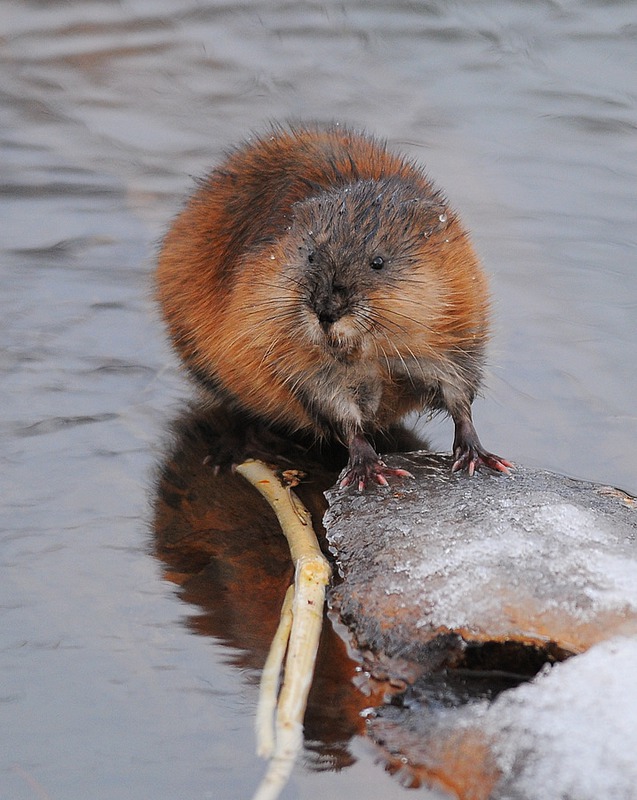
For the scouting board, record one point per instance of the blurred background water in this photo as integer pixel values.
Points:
(524, 112)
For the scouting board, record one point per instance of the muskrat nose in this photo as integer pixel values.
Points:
(327, 319)
(330, 305)
(328, 315)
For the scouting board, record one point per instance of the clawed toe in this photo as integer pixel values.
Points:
(362, 475)
(471, 459)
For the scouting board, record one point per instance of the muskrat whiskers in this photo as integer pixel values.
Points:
(416, 361)
(390, 329)
(414, 320)
(255, 306)
(402, 361)
(381, 355)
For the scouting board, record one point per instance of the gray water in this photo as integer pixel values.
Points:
(524, 112)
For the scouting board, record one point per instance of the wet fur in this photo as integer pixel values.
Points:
(266, 286)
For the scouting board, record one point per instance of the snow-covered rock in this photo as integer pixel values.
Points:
(436, 567)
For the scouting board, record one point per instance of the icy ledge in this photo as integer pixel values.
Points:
(435, 567)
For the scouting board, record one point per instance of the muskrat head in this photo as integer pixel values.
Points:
(351, 246)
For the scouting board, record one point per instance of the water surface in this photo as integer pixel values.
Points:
(525, 113)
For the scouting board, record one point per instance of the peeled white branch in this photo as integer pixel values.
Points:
(270, 677)
(312, 574)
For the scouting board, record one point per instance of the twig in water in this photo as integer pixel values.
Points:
(300, 628)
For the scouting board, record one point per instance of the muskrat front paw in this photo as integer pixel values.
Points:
(361, 475)
(468, 452)
(471, 458)
(365, 466)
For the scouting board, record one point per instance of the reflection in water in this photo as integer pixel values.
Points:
(222, 544)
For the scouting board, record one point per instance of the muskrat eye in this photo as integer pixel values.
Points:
(310, 257)
(377, 263)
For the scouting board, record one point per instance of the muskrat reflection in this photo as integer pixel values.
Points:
(221, 544)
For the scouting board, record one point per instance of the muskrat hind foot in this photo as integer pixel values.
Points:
(245, 440)
(469, 454)
(228, 452)
(365, 466)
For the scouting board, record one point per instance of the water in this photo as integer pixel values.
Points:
(525, 113)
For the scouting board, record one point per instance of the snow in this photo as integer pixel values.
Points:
(573, 729)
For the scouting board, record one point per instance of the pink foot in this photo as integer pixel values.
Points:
(377, 472)
(366, 467)
(472, 459)
(469, 454)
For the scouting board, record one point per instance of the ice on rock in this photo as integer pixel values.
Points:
(531, 556)
(528, 559)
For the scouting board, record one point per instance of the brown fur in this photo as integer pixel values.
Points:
(241, 297)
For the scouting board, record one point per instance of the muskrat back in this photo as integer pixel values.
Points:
(316, 283)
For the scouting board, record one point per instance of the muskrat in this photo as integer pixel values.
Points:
(320, 287)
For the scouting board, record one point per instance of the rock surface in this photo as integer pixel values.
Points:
(463, 577)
